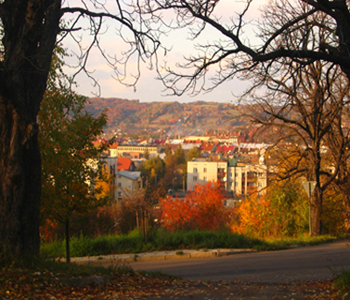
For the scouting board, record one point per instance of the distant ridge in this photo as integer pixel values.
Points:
(168, 118)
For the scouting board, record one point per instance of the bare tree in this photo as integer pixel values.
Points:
(338, 145)
(306, 102)
(305, 108)
(30, 31)
(231, 52)
(303, 45)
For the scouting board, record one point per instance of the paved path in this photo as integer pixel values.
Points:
(314, 263)
(301, 274)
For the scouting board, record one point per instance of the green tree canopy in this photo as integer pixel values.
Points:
(153, 170)
(193, 153)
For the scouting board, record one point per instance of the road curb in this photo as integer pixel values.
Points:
(104, 260)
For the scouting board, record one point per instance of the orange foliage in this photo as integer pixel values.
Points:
(201, 209)
(255, 216)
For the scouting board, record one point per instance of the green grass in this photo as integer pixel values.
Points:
(288, 242)
(160, 240)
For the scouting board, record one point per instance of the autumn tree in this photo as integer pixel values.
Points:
(281, 212)
(72, 169)
(193, 153)
(202, 209)
(152, 173)
(175, 165)
(172, 171)
(136, 210)
(168, 151)
(153, 170)
(30, 31)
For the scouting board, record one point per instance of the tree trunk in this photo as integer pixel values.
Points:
(20, 188)
(316, 212)
(29, 30)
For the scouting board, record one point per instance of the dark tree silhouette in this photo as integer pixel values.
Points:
(30, 31)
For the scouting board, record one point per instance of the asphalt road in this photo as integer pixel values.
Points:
(316, 263)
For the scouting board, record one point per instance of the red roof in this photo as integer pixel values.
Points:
(206, 147)
(114, 145)
(225, 149)
(124, 163)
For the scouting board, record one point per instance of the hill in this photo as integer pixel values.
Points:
(165, 118)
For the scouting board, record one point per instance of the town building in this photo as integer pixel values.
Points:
(128, 182)
(240, 179)
(125, 150)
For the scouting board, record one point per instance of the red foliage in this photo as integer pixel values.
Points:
(48, 230)
(201, 209)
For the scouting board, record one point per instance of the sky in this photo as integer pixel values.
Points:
(148, 88)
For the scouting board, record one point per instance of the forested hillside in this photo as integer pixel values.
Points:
(168, 118)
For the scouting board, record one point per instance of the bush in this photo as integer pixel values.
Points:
(282, 212)
(100, 221)
(201, 209)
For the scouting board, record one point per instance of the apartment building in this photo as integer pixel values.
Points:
(121, 150)
(128, 182)
(239, 178)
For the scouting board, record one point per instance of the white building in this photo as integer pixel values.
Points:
(241, 179)
(128, 182)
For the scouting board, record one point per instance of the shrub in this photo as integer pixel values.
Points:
(201, 209)
(100, 221)
(283, 211)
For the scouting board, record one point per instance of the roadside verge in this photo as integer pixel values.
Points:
(104, 260)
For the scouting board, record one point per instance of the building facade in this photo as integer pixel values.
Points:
(128, 182)
(239, 178)
(121, 150)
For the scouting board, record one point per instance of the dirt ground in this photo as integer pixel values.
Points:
(21, 284)
(186, 290)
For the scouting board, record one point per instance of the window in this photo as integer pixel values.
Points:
(119, 184)
(259, 184)
(195, 170)
(194, 178)
(205, 178)
(204, 170)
